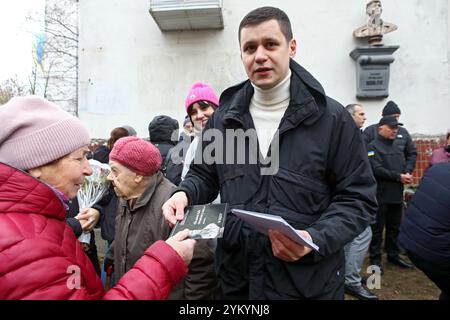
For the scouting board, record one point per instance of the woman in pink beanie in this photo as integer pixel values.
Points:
(42, 164)
(200, 104)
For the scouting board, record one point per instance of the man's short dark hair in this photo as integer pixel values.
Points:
(351, 108)
(264, 14)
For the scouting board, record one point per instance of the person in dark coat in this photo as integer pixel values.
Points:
(402, 140)
(425, 230)
(356, 250)
(178, 153)
(301, 157)
(163, 133)
(389, 167)
(90, 249)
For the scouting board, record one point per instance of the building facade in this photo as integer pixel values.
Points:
(130, 70)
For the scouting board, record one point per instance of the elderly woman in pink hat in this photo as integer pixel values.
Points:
(42, 165)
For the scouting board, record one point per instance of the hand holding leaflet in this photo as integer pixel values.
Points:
(264, 222)
(203, 221)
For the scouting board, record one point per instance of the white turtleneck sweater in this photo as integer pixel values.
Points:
(267, 107)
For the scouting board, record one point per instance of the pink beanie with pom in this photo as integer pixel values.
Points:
(200, 92)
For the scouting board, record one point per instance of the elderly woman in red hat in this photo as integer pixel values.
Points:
(143, 189)
(42, 165)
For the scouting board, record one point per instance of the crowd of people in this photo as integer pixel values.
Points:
(337, 185)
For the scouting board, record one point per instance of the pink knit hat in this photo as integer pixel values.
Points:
(138, 155)
(35, 131)
(200, 92)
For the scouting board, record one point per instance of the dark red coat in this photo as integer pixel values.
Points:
(40, 258)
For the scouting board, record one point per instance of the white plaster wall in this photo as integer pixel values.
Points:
(130, 71)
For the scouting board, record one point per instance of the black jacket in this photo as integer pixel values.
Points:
(324, 185)
(74, 209)
(175, 162)
(425, 229)
(107, 206)
(102, 154)
(161, 130)
(387, 162)
(403, 141)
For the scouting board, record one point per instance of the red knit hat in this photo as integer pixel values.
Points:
(200, 92)
(138, 155)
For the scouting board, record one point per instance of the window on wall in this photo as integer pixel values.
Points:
(187, 14)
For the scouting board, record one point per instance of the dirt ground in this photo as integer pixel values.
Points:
(403, 284)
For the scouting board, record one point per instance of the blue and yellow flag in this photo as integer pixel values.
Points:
(39, 49)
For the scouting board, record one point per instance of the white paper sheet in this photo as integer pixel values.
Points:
(263, 222)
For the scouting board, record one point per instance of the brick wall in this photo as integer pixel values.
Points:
(425, 146)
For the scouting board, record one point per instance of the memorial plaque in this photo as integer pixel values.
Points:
(373, 82)
(372, 70)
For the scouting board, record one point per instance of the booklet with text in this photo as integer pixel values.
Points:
(203, 221)
(263, 222)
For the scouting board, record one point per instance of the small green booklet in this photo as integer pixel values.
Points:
(203, 221)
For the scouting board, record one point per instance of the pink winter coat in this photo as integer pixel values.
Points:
(40, 258)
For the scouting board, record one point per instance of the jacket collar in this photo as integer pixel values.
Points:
(22, 193)
(307, 101)
(145, 197)
(384, 140)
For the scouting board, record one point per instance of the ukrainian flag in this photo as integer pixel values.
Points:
(39, 49)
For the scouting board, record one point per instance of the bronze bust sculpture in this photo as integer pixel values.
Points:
(375, 27)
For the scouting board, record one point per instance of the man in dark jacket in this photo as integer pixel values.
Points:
(306, 163)
(425, 230)
(402, 140)
(356, 250)
(389, 167)
(163, 133)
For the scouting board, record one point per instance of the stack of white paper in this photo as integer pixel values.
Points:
(264, 222)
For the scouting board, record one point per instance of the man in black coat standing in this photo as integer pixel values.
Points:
(389, 167)
(279, 145)
(356, 250)
(403, 139)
